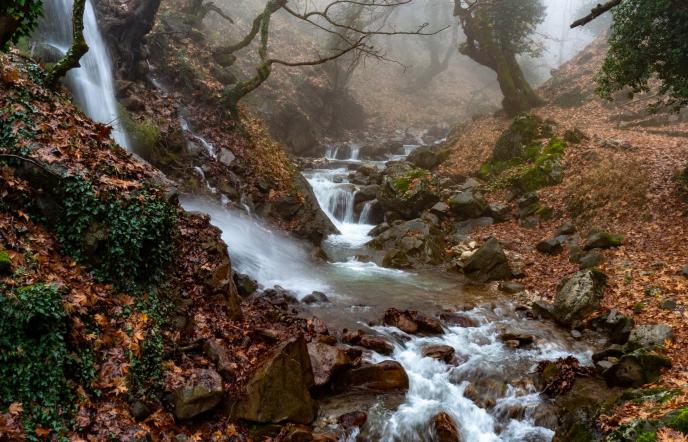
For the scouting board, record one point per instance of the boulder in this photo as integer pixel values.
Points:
(406, 190)
(366, 193)
(591, 259)
(458, 320)
(440, 209)
(649, 336)
(385, 376)
(428, 157)
(279, 389)
(327, 361)
(440, 352)
(602, 240)
(218, 354)
(543, 309)
(315, 298)
(577, 296)
(376, 344)
(511, 287)
(467, 204)
(637, 368)
(517, 340)
(550, 246)
(412, 322)
(499, 212)
(488, 263)
(416, 241)
(445, 428)
(396, 259)
(354, 419)
(566, 229)
(201, 392)
(246, 286)
(616, 326)
(469, 225)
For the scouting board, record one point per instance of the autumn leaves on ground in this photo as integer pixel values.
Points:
(626, 176)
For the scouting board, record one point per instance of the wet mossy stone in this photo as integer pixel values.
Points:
(524, 131)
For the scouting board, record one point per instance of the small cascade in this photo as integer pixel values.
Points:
(92, 84)
(365, 213)
(355, 152)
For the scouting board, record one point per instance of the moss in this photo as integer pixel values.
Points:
(5, 262)
(647, 437)
(613, 239)
(524, 131)
(639, 429)
(679, 420)
(143, 134)
(545, 212)
(657, 394)
(403, 183)
(638, 307)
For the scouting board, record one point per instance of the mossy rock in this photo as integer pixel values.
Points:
(524, 131)
(601, 239)
(678, 420)
(637, 430)
(5, 262)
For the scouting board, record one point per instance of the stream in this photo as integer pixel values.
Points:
(360, 292)
(488, 390)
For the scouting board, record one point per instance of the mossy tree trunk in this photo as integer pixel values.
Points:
(483, 46)
(76, 51)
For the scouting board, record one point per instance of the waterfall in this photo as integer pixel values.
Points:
(92, 84)
(365, 213)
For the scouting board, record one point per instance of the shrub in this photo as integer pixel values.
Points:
(34, 357)
(24, 14)
(607, 189)
(125, 238)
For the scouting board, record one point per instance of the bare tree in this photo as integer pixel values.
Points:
(353, 38)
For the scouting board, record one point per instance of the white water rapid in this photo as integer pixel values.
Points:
(487, 389)
(92, 84)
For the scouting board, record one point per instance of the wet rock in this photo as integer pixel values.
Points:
(354, 419)
(428, 157)
(376, 344)
(218, 354)
(412, 322)
(591, 259)
(139, 410)
(602, 240)
(327, 361)
(279, 390)
(396, 259)
(385, 376)
(489, 263)
(366, 193)
(577, 296)
(296, 433)
(517, 340)
(458, 320)
(636, 369)
(485, 391)
(511, 287)
(467, 205)
(613, 351)
(550, 246)
(440, 352)
(445, 428)
(379, 229)
(201, 392)
(649, 336)
(616, 326)
(280, 294)
(543, 309)
(246, 286)
(315, 298)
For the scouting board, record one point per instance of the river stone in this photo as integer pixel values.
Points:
(412, 322)
(385, 376)
(327, 360)
(278, 390)
(396, 259)
(649, 336)
(577, 296)
(440, 352)
(445, 428)
(636, 369)
(543, 309)
(408, 202)
(201, 392)
(315, 298)
(511, 287)
(377, 344)
(354, 419)
(489, 263)
(467, 205)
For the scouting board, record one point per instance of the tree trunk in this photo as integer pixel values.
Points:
(76, 51)
(8, 26)
(126, 33)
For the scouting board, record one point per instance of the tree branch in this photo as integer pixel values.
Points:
(76, 51)
(596, 12)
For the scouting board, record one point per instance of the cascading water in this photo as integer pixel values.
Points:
(92, 84)
(360, 291)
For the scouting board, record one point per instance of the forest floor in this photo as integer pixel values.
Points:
(624, 178)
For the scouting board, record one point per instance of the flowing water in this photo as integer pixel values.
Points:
(92, 84)
(361, 291)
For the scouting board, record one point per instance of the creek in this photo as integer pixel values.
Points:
(502, 377)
